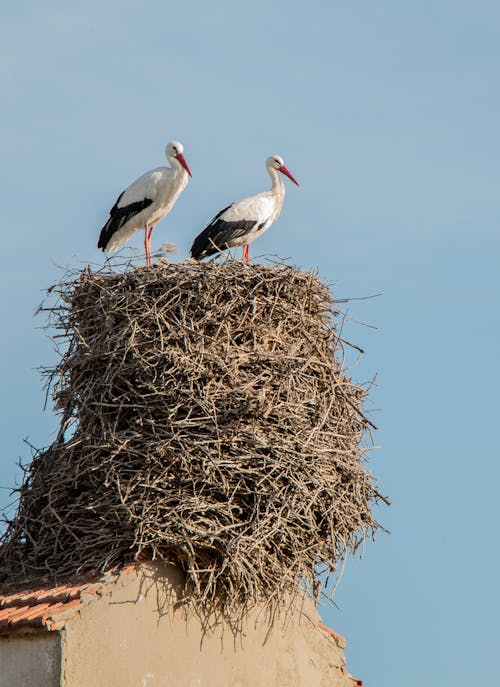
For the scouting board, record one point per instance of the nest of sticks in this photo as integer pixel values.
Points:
(207, 420)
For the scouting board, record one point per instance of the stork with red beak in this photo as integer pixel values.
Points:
(145, 202)
(245, 220)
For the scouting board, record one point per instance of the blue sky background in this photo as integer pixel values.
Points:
(388, 114)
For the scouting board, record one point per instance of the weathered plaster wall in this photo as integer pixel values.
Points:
(30, 660)
(122, 640)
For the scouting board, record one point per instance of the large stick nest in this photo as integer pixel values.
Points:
(206, 420)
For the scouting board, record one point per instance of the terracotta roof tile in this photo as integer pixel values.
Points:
(48, 607)
(341, 641)
(39, 607)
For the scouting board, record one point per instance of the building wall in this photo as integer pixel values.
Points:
(132, 637)
(30, 660)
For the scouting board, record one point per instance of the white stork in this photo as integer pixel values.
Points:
(245, 220)
(145, 202)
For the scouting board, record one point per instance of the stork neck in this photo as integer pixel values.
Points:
(278, 187)
(180, 174)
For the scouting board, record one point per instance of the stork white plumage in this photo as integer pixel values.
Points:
(245, 220)
(145, 202)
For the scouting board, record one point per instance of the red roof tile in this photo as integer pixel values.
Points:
(47, 607)
(341, 641)
(40, 607)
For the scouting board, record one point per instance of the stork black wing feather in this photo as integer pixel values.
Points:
(118, 217)
(219, 235)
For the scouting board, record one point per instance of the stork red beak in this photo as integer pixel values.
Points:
(183, 162)
(287, 173)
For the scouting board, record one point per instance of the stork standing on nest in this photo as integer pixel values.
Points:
(145, 202)
(245, 220)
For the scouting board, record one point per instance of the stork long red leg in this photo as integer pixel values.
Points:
(246, 253)
(146, 246)
(150, 234)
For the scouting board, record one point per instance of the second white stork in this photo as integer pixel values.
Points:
(145, 202)
(245, 220)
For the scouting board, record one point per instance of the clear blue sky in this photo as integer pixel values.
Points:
(388, 113)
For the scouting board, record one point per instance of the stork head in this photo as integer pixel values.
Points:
(174, 151)
(276, 162)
